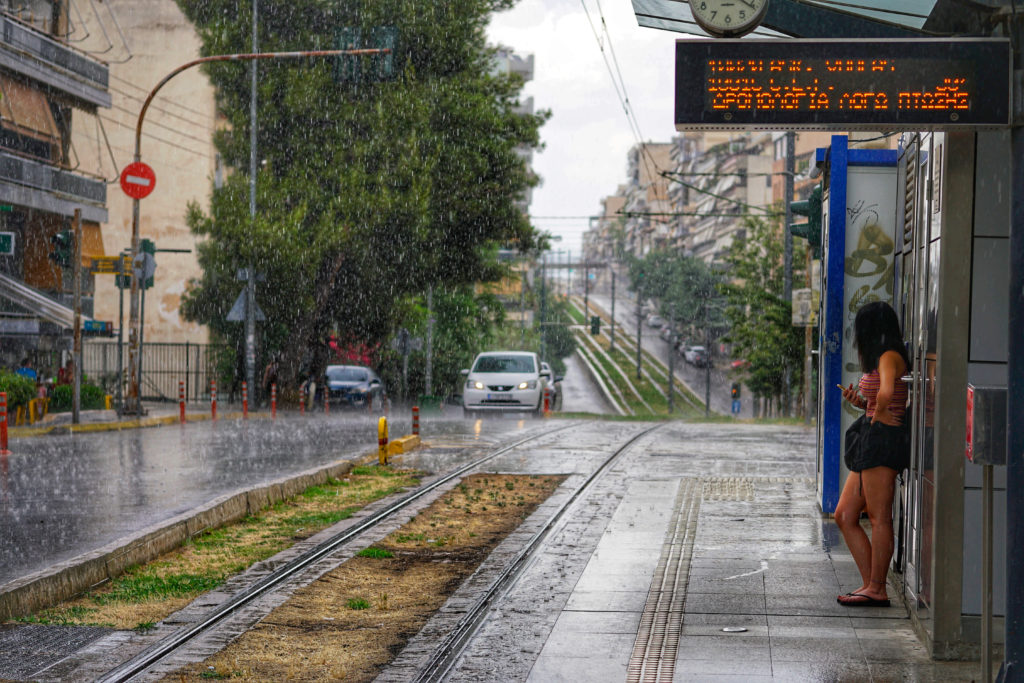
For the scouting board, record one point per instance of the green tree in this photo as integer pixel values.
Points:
(367, 192)
(686, 289)
(761, 328)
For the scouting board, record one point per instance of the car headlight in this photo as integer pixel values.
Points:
(473, 384)
(532, 384)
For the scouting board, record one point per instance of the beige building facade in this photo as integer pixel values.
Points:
(177, 141)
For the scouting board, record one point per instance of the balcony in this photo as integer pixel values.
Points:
(49, 188)
(35, 55)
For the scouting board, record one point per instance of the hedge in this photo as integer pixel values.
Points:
(20, 390)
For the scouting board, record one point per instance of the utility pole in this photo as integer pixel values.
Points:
(707, 359)
(429, 379)
(787, 287)
(612, 331)
(671, 364)
(250, 282)
(639, 331)
(543, 302)
(76, 270)
(568, 271)
(586, 292)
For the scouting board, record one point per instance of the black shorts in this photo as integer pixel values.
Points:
(876, 444)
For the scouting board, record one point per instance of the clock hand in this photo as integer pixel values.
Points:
(748, 4)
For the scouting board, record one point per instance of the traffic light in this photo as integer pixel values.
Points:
(811, 230)
(735, 390)
(62, 248)
(595, 325)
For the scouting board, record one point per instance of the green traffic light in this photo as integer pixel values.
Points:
(811, 230)
(62, 243)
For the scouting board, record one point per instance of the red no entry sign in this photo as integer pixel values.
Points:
(138, 180)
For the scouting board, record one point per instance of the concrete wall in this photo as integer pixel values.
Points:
(176, 142)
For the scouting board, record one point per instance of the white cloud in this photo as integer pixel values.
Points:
(588, 135)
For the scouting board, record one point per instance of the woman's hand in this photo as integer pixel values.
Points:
(851, 395)
(883, 415)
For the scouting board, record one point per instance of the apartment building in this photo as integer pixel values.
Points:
(48, 88)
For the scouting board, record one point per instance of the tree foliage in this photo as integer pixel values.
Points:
(686, 289)
(761, 328)
(366, 192)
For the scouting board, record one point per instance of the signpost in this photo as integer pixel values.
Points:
(6, 244)
(842, 84)
(138, 180)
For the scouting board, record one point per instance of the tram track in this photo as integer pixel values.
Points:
(448, 652)
(166, 647)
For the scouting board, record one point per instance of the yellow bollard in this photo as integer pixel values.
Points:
(382, 440)
(32, 403)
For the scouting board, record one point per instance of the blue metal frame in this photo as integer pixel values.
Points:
(831, 342)
(839, 158)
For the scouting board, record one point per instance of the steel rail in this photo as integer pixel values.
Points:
(448, 652)
(161, 649)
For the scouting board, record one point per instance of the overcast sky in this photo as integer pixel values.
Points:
(588, 135)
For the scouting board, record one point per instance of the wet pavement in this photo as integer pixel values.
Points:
(701, 556)
(580, 393)
(65, 495)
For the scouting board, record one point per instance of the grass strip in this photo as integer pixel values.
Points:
(147, 593)
(351, 622)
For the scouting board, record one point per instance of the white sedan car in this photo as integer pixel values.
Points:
(502, 381)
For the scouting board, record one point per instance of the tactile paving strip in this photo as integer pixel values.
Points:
(654, 652)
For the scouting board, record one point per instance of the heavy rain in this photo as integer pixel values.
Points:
(510, 340)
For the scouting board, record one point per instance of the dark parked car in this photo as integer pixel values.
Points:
(353, 385)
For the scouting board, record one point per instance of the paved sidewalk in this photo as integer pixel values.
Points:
(714, 564)
(685, 558)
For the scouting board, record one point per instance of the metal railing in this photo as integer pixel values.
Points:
(163, 366)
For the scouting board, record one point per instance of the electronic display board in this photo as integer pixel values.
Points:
(842, 84)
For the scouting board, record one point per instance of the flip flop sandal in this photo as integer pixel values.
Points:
(862, 600)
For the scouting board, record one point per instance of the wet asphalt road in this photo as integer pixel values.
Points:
(61, 496)
(721, 376)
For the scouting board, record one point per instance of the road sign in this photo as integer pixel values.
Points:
(138, 180)
(111, 265)
(237, 312)
(857, 84)
(144, 266)
(6, 244)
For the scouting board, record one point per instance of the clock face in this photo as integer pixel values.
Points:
(728, 18)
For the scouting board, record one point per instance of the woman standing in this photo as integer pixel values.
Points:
(883, 451)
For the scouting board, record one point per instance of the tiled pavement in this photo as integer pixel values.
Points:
(759, 556)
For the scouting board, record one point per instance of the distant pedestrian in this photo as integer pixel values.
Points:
(66, 375)
(270, 374)
(877, 450)
(26, 370)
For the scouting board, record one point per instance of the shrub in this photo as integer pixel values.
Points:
(93, 397)
(20, 390)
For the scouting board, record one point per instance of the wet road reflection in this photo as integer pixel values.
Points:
(61, 496)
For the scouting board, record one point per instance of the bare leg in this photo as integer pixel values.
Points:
(851, 503)
(879, 488)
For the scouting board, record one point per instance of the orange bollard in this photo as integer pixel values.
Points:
(547, 401)
(327, 401)
(302, 400)
(213, 399)
(245, 401)
(181, 401)
(416, 420)
(3, 424)
(273, 401)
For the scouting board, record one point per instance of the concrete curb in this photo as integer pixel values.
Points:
(21, 432)
(403, 444)
(63, 581)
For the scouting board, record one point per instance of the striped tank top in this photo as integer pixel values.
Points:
(869, 389)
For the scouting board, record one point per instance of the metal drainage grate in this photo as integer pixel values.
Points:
(654, 652)
(25, 651)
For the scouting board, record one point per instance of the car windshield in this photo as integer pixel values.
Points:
(346, 375)
(504, 364)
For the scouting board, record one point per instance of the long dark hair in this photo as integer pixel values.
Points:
(875, 331)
